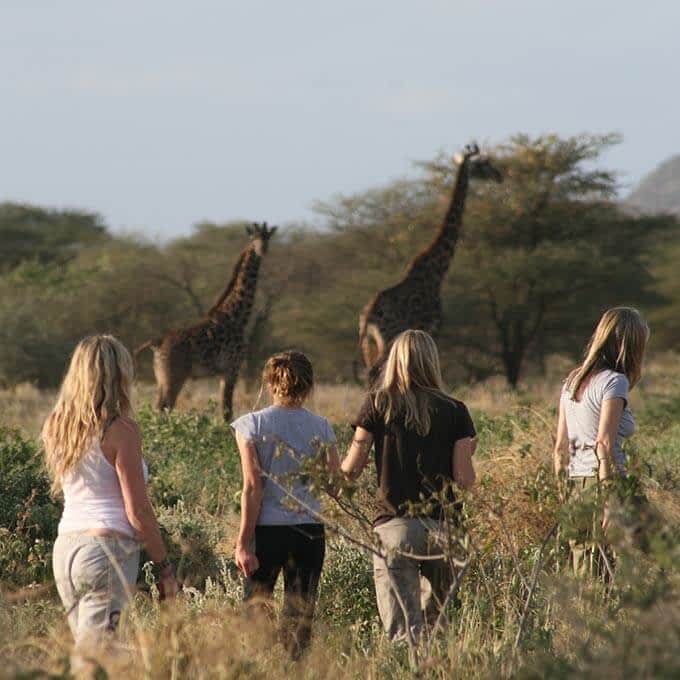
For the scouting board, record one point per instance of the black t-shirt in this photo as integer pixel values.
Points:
(409, 466)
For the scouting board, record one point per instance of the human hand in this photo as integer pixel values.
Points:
(246, 560)
(605, 517)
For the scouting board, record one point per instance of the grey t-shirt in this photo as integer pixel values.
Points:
(284, 437)
(583, 420)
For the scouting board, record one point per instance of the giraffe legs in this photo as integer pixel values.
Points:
(170, 377)
(227, 385)
(372, 346)
(166, 394)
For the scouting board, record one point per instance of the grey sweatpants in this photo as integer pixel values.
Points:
(397, 572)
(95, 577)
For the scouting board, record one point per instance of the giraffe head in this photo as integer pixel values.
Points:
(259, 236)
(479, 164)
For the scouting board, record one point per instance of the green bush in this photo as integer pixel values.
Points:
(192, 538)
(346, 593)
(28, 515)
(192, 458)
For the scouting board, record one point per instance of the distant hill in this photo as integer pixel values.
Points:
(659, 191)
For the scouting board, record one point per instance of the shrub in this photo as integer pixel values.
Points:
(346, 593)
(192, 538)
(192, 457)
(28, 515)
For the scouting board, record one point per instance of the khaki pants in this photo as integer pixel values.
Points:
(401, 573)
(95, 577)
(584, 552)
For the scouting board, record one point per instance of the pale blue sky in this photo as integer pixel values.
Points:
(160, 114)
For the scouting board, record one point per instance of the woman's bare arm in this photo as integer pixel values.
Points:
(357, 456)
(561, 450)
(124, 439)
(251, 502)
(124, 443)
(610, 418)
(463, 469)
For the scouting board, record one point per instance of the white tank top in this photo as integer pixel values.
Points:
(92, 496)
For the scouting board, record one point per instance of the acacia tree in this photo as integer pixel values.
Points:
(545, 253)
(540, 255)
(539, 258)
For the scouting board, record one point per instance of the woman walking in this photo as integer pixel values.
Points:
(594, 415)
(424, 441)
(280, 526)
(93, 454)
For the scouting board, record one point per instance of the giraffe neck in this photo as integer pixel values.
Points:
(239, 302)
(230, 286)
(434, 261)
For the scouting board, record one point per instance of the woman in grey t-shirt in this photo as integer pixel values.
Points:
(594, 415)
(281, 529)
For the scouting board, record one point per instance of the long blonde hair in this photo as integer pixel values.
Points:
(618, 344)
(95, 391)
(412, 374)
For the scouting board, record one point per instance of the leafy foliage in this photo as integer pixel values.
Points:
(28, 515)
(540, 256)
(32, 233)
(347, 593)
(569, 627)
(192, 458)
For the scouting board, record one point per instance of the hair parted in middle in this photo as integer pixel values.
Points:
(618, 344)
(289, 376)
(410, 377)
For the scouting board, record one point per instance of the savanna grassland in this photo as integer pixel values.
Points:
(521, 613)
(540, 257)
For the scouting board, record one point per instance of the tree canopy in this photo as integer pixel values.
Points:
(30, 232)
(540, 257)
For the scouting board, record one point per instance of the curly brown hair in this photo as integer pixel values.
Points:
(290, 376)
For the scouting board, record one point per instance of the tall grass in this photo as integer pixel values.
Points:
(521, 613)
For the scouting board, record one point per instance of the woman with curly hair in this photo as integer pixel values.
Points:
(280, 526)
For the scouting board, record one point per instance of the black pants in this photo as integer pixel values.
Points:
(298, 550)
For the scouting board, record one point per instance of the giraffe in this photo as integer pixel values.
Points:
(415, 302)
(216, 345)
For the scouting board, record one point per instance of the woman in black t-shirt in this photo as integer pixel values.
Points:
(423, 441)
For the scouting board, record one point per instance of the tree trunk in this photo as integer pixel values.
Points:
(512, 371)
(513, 358)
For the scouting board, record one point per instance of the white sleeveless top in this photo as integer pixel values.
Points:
(92, 496)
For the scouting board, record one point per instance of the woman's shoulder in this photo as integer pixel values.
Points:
(318, 421)
(607, 377)
(447, 402)
(123, 428)
(122, 439)
(612, 384)
(446, 409)
(316, 417)
(249, 423)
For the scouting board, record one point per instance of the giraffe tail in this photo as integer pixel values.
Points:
(148, 344)
(357, 370)
(141, 348)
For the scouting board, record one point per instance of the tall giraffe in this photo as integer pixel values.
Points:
(415, 302)
(216, 345)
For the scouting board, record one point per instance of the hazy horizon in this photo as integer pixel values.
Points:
(160, 115)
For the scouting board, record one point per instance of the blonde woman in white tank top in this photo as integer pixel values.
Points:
(94, 456)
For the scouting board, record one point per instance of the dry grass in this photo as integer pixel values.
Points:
(204, 635)
(26, 407)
